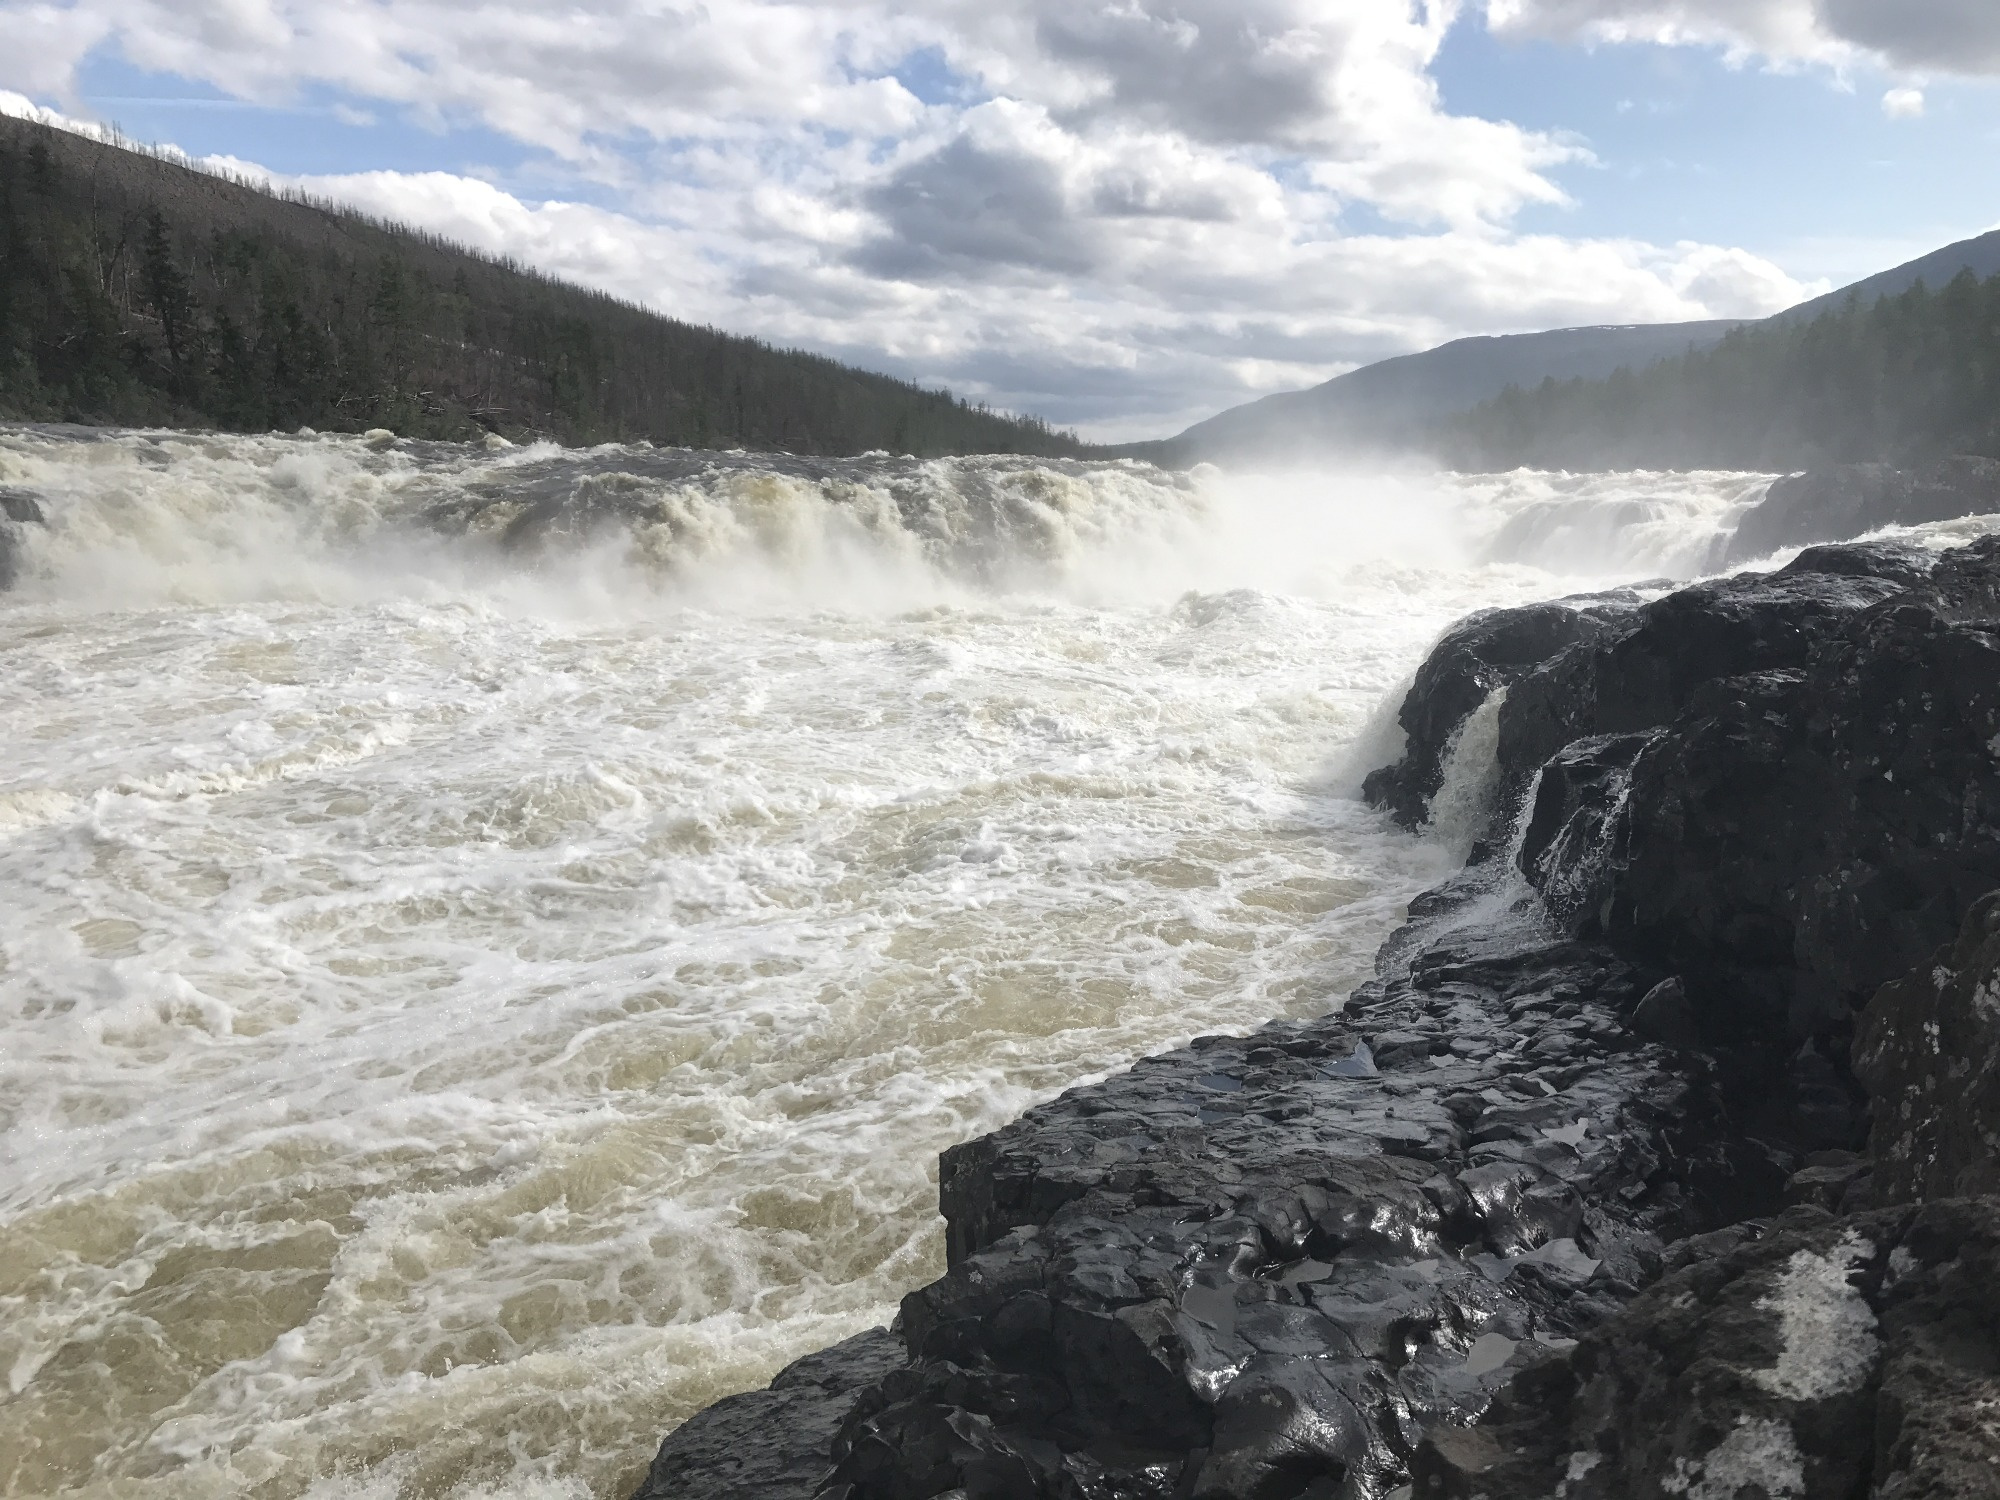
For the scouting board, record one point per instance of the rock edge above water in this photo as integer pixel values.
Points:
(1290, 1266)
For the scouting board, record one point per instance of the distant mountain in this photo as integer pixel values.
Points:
(1401, 404)
(1980, 256)
(137, 291)
(1394, 404)
(1910, 379)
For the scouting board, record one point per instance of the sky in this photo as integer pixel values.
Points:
(1121, 215)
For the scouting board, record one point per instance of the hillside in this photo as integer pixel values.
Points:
(1980, 256)
(137, 291)
(1907, 377)
(1399, 402)
(1405, 403)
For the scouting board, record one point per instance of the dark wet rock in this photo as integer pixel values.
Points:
(1627, 667)
(1826, 1357)
(1838, 504)
(1475, 659)
(1830, 1181)
(1782, 790)
(771, 1444)
(1928, 1052)
(1843, 1350)
(1641, 676)
(1263, 1266)
(1573, 823)
(1665, 1016)
(1900, 562)
(1795, 836)
(1778, 787)
(1294, 1265)
(18, 508)
(1935, 1427)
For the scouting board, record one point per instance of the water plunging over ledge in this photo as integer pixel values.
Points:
(501, 938)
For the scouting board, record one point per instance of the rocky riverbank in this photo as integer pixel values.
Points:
(1700, 1009)
(1823, 1354)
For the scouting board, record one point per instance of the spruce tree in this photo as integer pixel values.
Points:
(168, 293)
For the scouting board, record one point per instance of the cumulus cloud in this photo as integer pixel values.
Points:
(1004, 192)
(1903, 104)
(1954, 36)
(1950, 36)
(1123, 213)
(1251, 73)
(1191, 317)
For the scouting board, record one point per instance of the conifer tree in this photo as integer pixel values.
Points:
(168, 292)
(136, 290)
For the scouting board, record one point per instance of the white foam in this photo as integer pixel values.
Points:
(1633, 526)
(465, 1008)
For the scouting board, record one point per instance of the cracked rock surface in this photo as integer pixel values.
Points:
(772, 1442)
(1263, 1266)
(1828, 1357)
(1929, 1052)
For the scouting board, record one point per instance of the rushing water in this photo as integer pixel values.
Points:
(495, 941)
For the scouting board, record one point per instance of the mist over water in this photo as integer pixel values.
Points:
(496, 941)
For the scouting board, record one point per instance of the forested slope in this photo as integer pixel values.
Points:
(1398, 405)
(1900, 379)
(134, 290)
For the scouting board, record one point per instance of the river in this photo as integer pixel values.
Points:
(495, 940)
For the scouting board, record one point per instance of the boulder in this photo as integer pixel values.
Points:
(1825, 1357)
(1791, 795)
(1641, 675)
(1797, 838)
(1301, 1264)
(18, 508)
(1575, 821)
(773, 1444)
(1261, 1267)
(1665, 1016)
(1473, 660)
(1838, 504)
(1928, 1052)
(1615, 664)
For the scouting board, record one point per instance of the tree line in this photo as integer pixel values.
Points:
(136, 290)
(1897, 380)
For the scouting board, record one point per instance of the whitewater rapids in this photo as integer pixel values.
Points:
(495, 941)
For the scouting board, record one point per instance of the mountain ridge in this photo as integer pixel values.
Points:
(1980, 255)
(1396, 405)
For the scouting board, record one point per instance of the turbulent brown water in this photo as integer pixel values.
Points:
(494, 942)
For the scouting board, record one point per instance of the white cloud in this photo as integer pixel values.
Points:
(1124, 213)
(45, 43)
(1790, 30)
(1167, 326)
(1950, 36)
(1903, 104)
